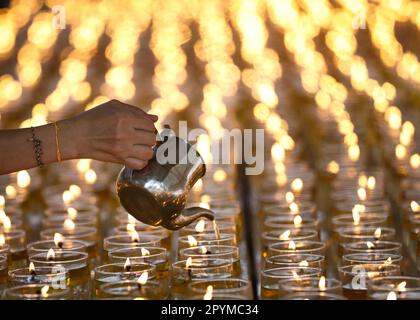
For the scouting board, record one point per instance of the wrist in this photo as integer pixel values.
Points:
(70, 142)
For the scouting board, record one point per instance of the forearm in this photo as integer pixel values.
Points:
(17, 151)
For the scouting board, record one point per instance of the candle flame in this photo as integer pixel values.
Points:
(69, 224)
(297, 221)
(134, 236)
(391, 296)
(2, 202)
(370, 245)
(361, 193)
(356, 215)
(127, 265)
(219, 175)
(378, 233)
(292, 245)
(75, 190)
(333, 167)
(131, 219)
(203, 250)
(295, 275)
(401, 287)
(188, 263)
(415, 161)
(68, 197)
(11, 192)
(322, 284)
(90, 176)
(83, 165)
(303, 263)
(192, 241)
(388, 261)
(294, 207)
(200, 226)
(142, 280)
(362, 181)
(130, 227)
(285, 235)
(58, 239)
(145, 252)
(289, 197)
(44, 290)
(297, 185)
(72, 213)
(415, 207)
(371, 183)
(7, 223)
(209, 293)
(2, 240)
(23, 179)
(50, 255)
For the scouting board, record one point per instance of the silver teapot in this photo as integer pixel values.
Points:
(157, 194)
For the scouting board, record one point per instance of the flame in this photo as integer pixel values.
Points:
(297, 221)
(289, 197)
(388, 261)
(295, 275)
(50, 254)
(209, 293)
(370, 245)
(356, 215)
(203, 250)
(371, 183)
(145, 252)
(58, 239)
(44, 290)
(361, 208)
(75, 190)
(378, 233)
(322, 284)
(188, 263)
(7, 223)
(401, 287)
(72, 213)
(415, 161)
(391, 296)
(294, 207)
(69, 224)
(192, 241)
(361, 193)
(200, 226)
(297, 185)
(131, 219)
(292, 245)
(23, 179)
(362, 181)
(90, 176)
(303, 263)
(333, 167)
(415, 207)
(134, 236)
(400, 151)
(2, 202)
(68, 197)
(2, 215)
(11, 192)
(142, 280)
(216, 230)
(219, 175)
(83, 165)
(285, 235)
(127, 265)
(31, 268)
(2, 240)
(130, 227)
(277, 152)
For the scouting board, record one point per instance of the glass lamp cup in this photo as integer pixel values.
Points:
(295, 260)
(157, 256)
(81, 211)
(77, 265)
(35, 292)
(273, 236)
(3, 272)
(162, 233)
(16, 223)
(287, 247)
(370, 207)
(45, 245)
(116, 272)
(16, 242)
(404, 288)
(230, 253)
(54, 276)
(309, 285)
(313, 296)
(88, 235)
(120, 241)
(132, 290)
(229, 287)
(184, 273)
(56, 201)
(364, 234)
(386, 247)
(270, 279)
(57, 221)
(356, 277)
(227, 227)
(207, 239)
(288, 222)
(366, 220)
(303, 207)
(371, 258)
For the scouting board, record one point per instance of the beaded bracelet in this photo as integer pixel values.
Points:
(37, 148)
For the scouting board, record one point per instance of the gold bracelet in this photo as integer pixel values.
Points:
(57, 141)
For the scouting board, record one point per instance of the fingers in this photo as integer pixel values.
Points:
(141, 137)
(141, 152)
(152, 117)
(134, 163)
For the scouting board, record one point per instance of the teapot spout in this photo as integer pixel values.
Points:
(188, 216)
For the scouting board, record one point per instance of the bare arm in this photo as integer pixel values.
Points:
(112, 132)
